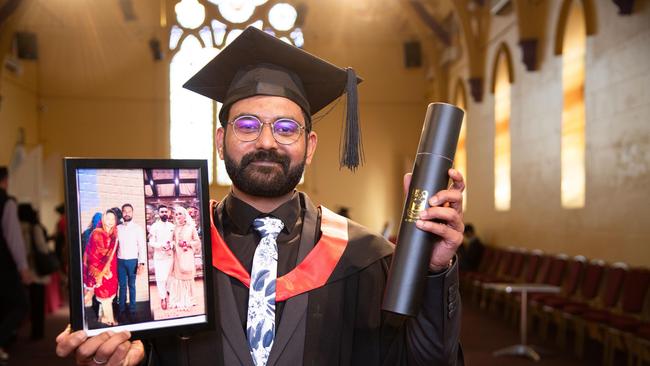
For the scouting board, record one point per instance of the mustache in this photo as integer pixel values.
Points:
(266, 155)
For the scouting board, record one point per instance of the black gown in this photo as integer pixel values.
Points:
(338, 323)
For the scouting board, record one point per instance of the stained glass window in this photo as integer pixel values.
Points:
(200, 30)
(573, 109)
(502, 134)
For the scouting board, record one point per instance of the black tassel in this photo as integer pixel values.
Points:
(352, 147)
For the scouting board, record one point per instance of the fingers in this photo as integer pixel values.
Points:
(87, 349)
(453, 197)
(119, 354)
(68, 342)
(407, 182)
(458, 182)
(135, 354)
(114, 349)
(451, 237)
(448, 215)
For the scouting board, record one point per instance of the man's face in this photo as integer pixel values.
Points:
(163, 213)
(263, 167)
(127, 213)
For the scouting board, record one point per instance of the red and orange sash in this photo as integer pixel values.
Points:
(310, 274)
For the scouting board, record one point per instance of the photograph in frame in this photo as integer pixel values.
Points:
(139, 243)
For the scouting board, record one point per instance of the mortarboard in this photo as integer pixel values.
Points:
(257, 63)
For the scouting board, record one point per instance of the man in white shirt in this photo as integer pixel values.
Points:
(161, 239)
(131, 259)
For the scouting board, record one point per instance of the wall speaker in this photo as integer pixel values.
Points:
(26, 45)
(412, 54)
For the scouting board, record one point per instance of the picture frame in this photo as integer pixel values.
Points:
(139, 228)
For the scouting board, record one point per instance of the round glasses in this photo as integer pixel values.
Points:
(249, 128)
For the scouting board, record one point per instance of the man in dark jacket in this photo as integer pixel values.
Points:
(295, 283)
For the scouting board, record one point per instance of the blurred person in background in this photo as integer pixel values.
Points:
(14, 271)
(35, 238)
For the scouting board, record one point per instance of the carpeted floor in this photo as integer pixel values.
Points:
(481, 335)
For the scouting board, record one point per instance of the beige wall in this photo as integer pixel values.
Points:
(18, 109)
(614, 222)
(119, 109)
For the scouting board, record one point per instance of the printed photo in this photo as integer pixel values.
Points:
(140, 248)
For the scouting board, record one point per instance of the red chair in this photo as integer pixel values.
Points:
(467, 278)
(512, 274)
(627, 319)
(588, 291)
(490, 274)
(513, 301)
(541, 308)
(584, 319)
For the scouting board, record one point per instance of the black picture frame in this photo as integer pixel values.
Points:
(185, 320)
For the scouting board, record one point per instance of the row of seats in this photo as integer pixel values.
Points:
(607, 303)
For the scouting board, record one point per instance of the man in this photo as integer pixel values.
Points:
(131, 260)
(14, 271)
(162, 232)
(320, 276)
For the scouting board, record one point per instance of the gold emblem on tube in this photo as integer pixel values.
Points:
(416, 204)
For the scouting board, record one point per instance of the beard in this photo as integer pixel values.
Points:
(264, 181)
(163, 218)
(127, 218)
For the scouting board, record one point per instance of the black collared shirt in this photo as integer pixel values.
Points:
(242, 239)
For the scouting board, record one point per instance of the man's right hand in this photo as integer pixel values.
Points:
(107, 348)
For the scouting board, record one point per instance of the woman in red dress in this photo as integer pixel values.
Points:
(100, 266)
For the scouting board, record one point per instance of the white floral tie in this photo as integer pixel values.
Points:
(260, 322)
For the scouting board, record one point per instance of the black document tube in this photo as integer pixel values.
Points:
(430, 175)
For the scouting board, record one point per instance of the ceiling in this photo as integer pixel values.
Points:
(85, 43)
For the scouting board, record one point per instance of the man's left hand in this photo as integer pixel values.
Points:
(140, 269)
(446, 207)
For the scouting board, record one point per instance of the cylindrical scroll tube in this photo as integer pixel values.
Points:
(414, 246)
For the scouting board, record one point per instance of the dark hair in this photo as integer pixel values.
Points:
(4, 173)
(118, 214)
(161, 206)
(127, 205)
(26, 213)
(469, 229)
(60, 209)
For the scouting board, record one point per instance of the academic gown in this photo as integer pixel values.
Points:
(337, 323)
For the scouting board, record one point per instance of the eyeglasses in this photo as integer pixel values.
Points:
(249, 128)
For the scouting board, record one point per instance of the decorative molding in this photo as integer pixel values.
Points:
(625, 7)
(431, 22)
(476, 89)
(529, 53)
(591, 24)
(503, 51)
(474, 17)
(7, 9)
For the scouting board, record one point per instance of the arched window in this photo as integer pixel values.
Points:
(201, 28)
(573, 108)
(460, 160)
(502, 77)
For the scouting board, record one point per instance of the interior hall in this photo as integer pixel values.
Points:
(554, 146)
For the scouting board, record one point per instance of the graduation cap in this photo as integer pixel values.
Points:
(257, 63)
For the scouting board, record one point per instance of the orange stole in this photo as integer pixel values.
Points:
(310, 274)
